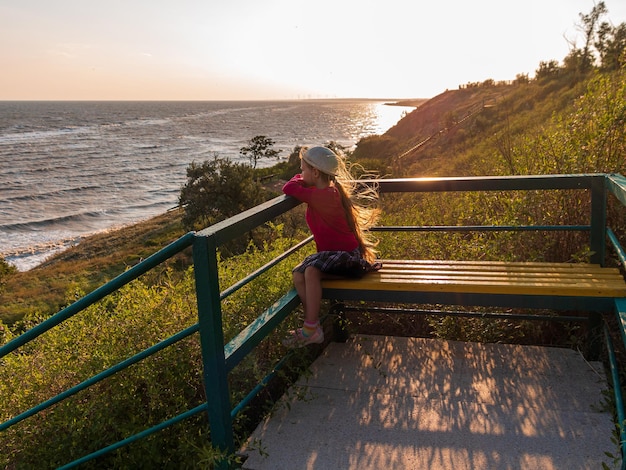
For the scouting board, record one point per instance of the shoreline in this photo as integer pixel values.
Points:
(28, 258)
(410, 103)
(89, 264)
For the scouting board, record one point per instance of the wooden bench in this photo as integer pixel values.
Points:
(571, 286)
(575, 287)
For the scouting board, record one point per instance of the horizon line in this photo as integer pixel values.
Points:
(210, 100)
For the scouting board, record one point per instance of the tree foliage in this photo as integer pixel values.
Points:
(547, 69)
(611, 46)
(218, 189)
(590, 24)
(259, 147)
(603, 44)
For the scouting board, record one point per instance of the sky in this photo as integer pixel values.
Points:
(276, 49)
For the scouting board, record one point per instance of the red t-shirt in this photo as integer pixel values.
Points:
(325, 215)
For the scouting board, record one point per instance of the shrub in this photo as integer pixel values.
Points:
(218, 189)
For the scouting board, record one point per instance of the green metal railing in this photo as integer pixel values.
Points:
(219, 358)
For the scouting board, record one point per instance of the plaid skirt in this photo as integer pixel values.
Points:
(340, 263)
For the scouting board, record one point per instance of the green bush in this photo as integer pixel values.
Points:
(218, 189)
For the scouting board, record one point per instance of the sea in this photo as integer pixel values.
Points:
(73, 169)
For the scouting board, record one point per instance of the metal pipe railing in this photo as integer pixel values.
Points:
(101, 376)
(617, 393)
(482, 228)
(207, 241)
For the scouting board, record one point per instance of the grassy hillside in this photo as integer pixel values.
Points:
(96, 260)
(475, 130)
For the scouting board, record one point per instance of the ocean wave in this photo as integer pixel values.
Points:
(82, 218)
(51, 194)
(32, 257)
(40, 249)
(90, 220)
(33, 136)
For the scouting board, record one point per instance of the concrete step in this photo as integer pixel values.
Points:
(380, 402)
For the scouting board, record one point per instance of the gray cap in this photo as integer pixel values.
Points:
(322, 158)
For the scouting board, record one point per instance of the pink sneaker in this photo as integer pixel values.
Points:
(298, 340)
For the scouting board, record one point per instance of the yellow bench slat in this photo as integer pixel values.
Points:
(491, 277)
(482, 287)
(425, 273)
(385, 277)
(435, 262)
(496, 266)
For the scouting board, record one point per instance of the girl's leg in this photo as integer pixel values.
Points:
(313, 294)
(299, 284)
(309, 288)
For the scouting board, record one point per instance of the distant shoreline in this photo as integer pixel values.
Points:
(412, 103)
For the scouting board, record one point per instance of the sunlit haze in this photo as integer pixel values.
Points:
(276, 49)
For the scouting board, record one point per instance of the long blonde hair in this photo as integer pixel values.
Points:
(360, 203)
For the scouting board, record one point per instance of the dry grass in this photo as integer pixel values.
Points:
(96, 260)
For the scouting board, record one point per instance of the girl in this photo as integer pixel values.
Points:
(338, 223)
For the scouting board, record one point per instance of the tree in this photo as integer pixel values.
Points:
(259, 147)
(547, 69)
(589, 27)
(521, 79)
(582, 60)
(611, 45)
(218, 189)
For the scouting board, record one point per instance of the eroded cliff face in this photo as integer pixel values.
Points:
(451, 105)
(427, 141)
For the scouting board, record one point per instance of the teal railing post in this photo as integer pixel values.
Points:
(212, 344)
(597, 245)
(598, 219)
